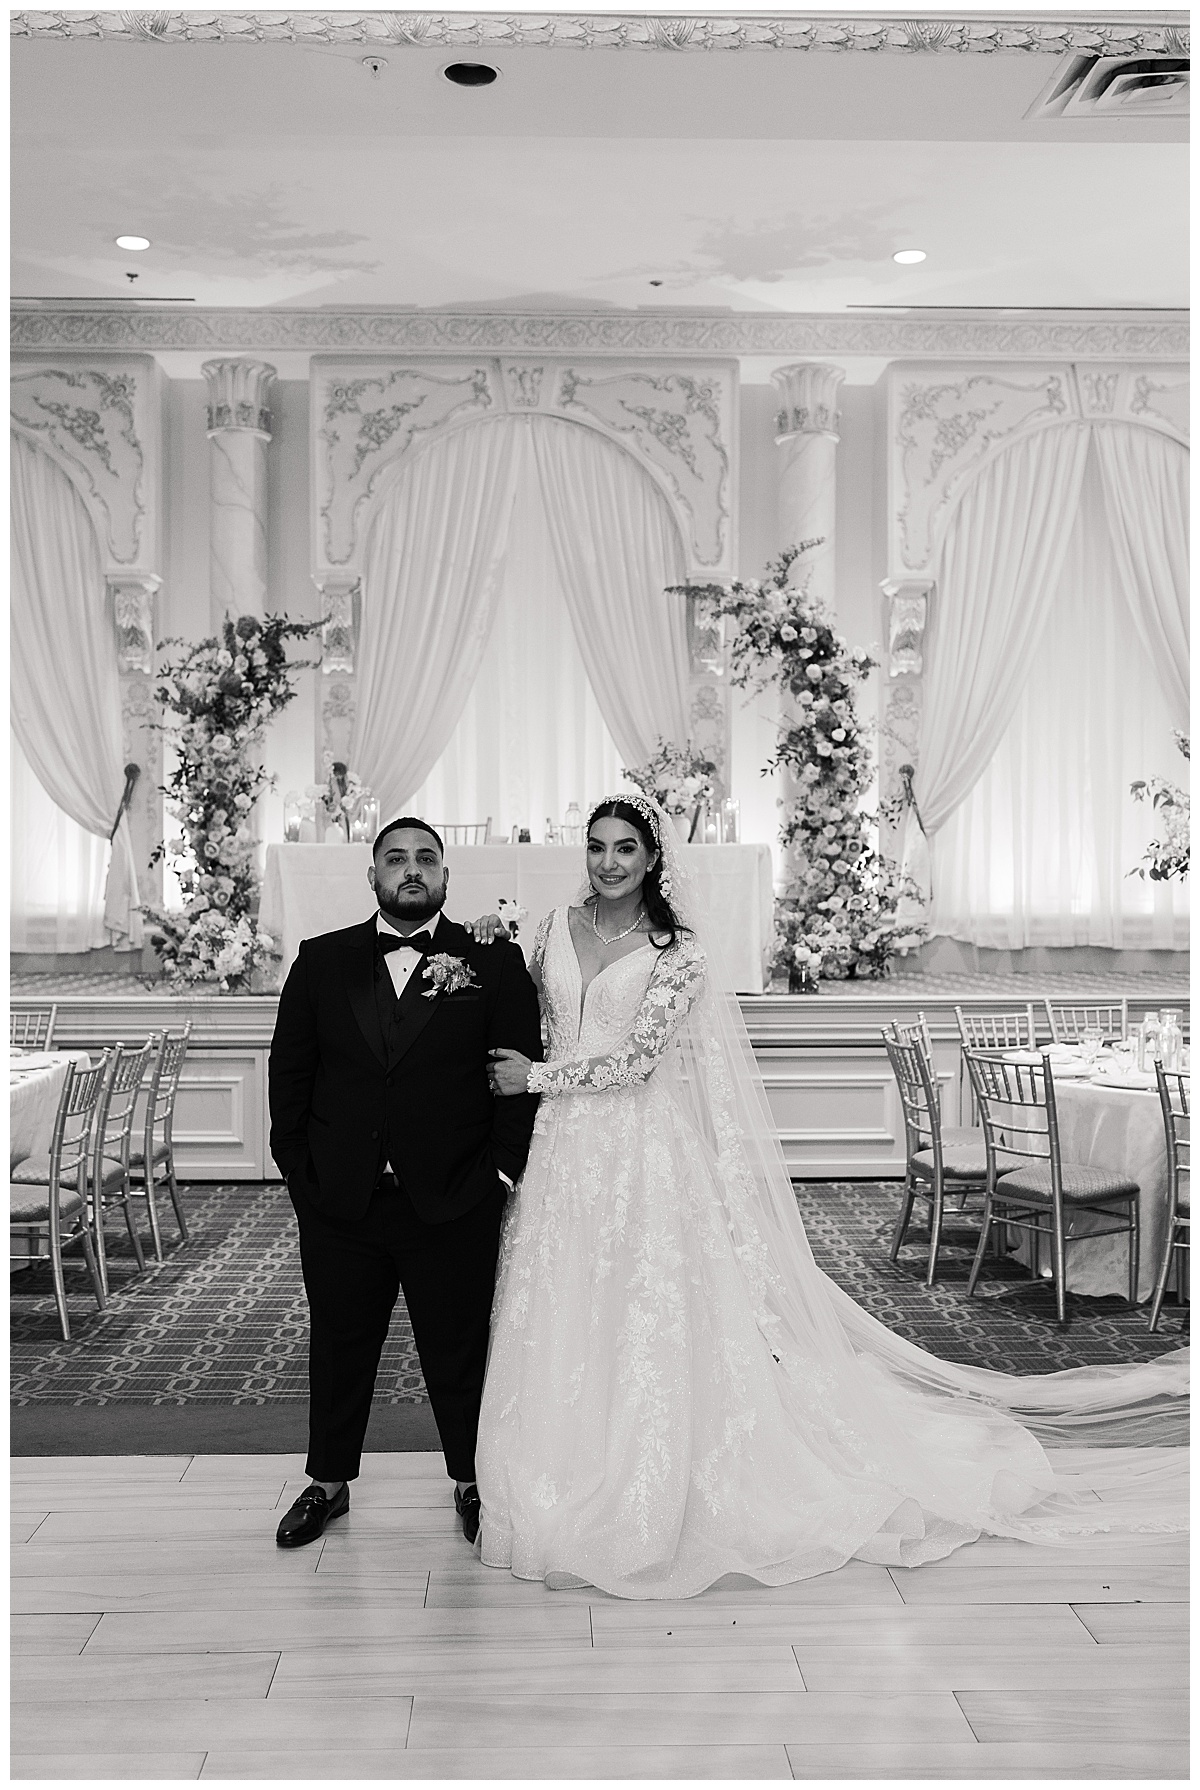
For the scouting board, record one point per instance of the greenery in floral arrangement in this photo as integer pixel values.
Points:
(1170, 856)
(839, 917)
(217, 698)
(678, 778)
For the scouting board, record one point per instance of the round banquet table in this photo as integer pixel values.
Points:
(1120, 1129)
(35, 1083)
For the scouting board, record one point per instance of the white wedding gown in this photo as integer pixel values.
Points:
(648, 1425)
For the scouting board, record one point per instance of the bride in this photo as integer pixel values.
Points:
(674, 1391)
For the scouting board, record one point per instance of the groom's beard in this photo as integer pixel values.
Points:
(410, 902)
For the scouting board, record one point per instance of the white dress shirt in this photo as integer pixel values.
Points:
(400, 966)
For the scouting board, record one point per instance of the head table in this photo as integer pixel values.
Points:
(309, 889)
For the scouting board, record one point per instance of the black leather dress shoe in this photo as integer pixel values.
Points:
(307, 1518)
(468, 1507)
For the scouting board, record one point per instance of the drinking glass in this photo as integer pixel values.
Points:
(1091, 1039)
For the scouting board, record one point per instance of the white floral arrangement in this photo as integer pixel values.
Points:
(1170, 856)
(678, 778)
(340, 794)
(217, 699)
(840, 911)
(448, 974)
(212, 948)
(512, 913)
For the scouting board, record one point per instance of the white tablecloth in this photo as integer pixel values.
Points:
(1120, 1129)
(33, 1096)
(309, 889)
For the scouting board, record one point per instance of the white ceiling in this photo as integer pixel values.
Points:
(280, 174)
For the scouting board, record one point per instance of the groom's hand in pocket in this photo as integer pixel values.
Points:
(508, 1072)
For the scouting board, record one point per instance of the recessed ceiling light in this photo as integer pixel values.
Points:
(133, 242)
(471, 74)
(909, 257)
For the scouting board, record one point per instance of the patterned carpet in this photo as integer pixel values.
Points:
(223, 1321)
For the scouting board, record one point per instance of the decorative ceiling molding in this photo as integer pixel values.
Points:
(1029, 336)
(100, 422)
(945, 424)
(1003, 34)
(678, 420)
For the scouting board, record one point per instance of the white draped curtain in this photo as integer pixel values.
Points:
(70, 893)
(438, 556)
(1057, 670)
(531, 738)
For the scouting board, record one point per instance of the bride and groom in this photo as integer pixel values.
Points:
(670, 1391)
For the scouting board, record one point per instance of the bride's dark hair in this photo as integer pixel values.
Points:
(662, 916)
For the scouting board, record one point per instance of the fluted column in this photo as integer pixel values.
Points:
(806, 425)
(239, 428)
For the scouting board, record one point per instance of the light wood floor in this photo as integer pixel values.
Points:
(159, 1633)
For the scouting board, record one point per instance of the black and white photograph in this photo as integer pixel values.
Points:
(600, 1068)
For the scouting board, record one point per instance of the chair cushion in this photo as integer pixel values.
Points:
(137, 1157)
(960, 1162)
(36, 1169)
(30, 1204)
(1080, 1182)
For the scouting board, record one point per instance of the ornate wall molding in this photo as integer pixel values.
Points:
(1004, 35)
(99, 420)
(946, 423)
(678, 420)
(341, 595)
(211, 329)
(133, 620)
(908, 612)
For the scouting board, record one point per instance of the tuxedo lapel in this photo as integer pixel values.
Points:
(360, 988)
(417, 1005)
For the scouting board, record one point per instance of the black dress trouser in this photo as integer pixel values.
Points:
(353, 1270)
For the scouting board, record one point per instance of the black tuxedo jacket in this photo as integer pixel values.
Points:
(349, 1093)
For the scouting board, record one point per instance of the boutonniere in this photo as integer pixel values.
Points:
(448, 975)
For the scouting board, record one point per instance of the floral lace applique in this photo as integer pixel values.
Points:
(676, 981)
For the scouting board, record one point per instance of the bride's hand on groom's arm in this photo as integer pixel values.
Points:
(508, 1072)
(489, 929)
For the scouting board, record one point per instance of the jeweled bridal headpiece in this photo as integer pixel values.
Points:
(654, 816)
(641, 804)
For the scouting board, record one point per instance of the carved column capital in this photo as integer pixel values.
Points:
(133, 619)
(809, 391)
(237, 396)
(908, 613)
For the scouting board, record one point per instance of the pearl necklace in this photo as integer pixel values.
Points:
(617, 937)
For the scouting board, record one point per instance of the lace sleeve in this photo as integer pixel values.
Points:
(676, 981)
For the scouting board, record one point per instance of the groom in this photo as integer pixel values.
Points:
(397, 1157)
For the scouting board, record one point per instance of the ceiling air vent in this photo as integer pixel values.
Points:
(1116, 87)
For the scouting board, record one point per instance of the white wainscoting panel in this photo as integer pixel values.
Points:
(220, 1116)
(837, 1113)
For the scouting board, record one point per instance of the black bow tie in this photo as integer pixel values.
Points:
(417, 941)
